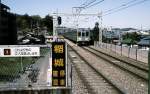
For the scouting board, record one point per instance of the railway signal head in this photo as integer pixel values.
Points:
(59, 20)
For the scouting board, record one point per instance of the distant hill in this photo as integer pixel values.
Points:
(127, 29)
(123, 29)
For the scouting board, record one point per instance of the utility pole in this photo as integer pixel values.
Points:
(54, 27)
(141, 28)
(100, 27)
(56, 32)
(76, 16)
(0, 14)
(111, 32)
(55, 24)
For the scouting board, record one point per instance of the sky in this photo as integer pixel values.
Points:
(136, 16)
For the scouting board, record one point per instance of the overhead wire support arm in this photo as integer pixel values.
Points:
(66, 14)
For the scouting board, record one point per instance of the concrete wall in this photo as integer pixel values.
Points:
(137, 54)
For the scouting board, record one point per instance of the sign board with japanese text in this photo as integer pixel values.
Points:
(59, 64)
(19, 51)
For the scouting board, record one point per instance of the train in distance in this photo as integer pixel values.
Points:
(80, 36)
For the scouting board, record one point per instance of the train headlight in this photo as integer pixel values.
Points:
(79, 39)
(86, 39)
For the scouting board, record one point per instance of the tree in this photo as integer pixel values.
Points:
(95, 32)
(48, 22)
(96, 25)
(23, 21)
(131, 38)
(36, 21)
(26, 23)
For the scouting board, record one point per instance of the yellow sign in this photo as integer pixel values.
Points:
(58, 49)
(58, 64)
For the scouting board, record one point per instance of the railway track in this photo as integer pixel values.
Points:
(120, 78)
(93, 81)
(78, 86)
(134, 69)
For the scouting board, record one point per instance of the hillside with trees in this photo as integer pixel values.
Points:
(26, 23)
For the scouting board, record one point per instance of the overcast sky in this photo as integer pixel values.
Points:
(135, 16)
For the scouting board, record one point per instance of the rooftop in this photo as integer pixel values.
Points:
(2, 6)
(145, 41)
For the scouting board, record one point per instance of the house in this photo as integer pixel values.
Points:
(144, 43)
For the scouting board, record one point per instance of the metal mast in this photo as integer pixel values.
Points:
(100, 27)
(76, 16)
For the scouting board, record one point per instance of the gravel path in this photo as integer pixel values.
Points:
(78, 86)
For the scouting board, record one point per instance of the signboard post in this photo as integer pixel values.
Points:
(58, 64)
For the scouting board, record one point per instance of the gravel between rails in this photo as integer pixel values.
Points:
(124, 80)
(95, 83)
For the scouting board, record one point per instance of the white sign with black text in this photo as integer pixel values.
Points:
(19, 51)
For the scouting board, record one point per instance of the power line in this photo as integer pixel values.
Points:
(121, 6)
(91, 3)
(127, 6)
(88, 3)
(84, 3)
(95, 4)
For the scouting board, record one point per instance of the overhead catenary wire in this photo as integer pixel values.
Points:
(113, 10)
(85, 5)
(91, 3)
(96, 3)
(84, 2)
(124, 6)
(121, 5)
(88, 3)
